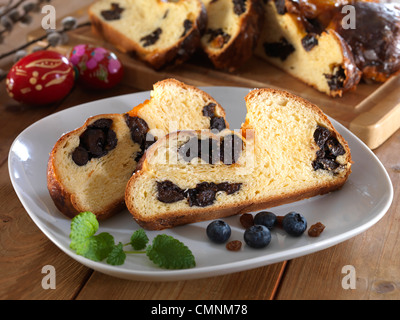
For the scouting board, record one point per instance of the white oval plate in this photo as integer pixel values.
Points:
(363, 200)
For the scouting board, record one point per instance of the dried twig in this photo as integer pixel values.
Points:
(9, 9)
(26, 45)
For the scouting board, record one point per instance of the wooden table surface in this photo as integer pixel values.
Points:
(24, 249)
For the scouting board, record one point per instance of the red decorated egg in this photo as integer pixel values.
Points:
(41, 77)
(98, 67)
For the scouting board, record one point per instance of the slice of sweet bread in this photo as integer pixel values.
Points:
(319, 57)
(89, 167)
(289, 151)
(232, 32)
(158, 32)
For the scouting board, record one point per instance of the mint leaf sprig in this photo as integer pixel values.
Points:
(165, 251)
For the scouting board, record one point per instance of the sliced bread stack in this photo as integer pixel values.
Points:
(288, 151)
(89, 167)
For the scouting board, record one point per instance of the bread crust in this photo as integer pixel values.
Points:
(180, 217)
(352, 73)
(241, 48)
(170, 220)
(64, 199)
(157, 59)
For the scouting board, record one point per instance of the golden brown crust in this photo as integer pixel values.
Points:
(169, 220)
(241, 48)
(157, 59)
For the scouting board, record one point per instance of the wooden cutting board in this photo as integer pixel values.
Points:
(372, 111)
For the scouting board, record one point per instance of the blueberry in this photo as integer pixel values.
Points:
(294, 224)
(265, 218)
(257, 236)
(218, 231)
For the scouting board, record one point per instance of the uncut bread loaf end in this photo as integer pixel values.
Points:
(89, 167)
(289, 151)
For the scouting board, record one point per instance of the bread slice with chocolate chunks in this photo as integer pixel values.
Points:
(232, 32)
(318, 57)
(158, 32)
(288, 151)
(89, 167)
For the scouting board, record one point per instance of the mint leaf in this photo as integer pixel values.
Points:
(168, 252)
(139, 239)
(165, 251)
(117, 255)
(98, 247)
(83, 226)
(83, 240)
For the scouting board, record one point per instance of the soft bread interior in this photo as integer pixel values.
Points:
(285, 150)
(174, 106)
(97, 185)
(221, 16)
(279, 132)
(136, 22)
(309, 66)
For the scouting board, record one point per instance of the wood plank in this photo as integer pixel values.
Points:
(25, 250)
(371, 111)
(375, 255)
(257, 284)
(381, 117)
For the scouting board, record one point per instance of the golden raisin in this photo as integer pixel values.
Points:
(234, 245)
(316, 229)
